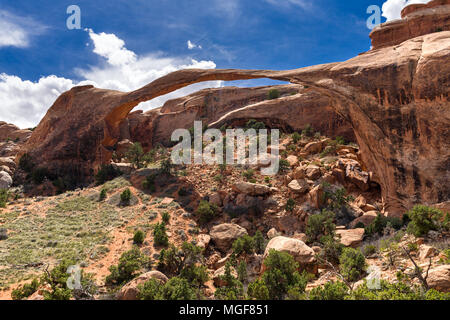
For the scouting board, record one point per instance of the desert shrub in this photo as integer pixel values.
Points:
(160, 235)
(423, 220)
(165, 217)
(25, 291)
(329, 291)
(281, 275)
(56, 279)
(369, 250)
(296, 137)
(290, 205)
(177, 289)
(244, 244)
(166, 166)
(352, 264)
(331, 250)
(195, 275)
(139, 237)
(149, 183)
(135, 155)
(380, 223)
(130, 263)
(26, 163)
(233, 289)
(320, 225)
(253, 124)
(39, 174)
(248, 174)
(125, 197)
(3, 197)
(258, 290)
(260, 242)
(308, 131)
(335, 200)
(149, 290)
(273, 94)
(106, 173)
(242, 271)
(102, 195)
(284, 165)
(206, 211)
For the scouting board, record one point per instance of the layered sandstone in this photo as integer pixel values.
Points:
(396, 100)
(417, 20)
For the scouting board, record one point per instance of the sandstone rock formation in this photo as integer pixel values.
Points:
(303, 254)
(439, 278)
(224, 235)
(395, 99)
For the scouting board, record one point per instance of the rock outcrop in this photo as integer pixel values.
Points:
(225, 234)
(130, 290)
(395, 98)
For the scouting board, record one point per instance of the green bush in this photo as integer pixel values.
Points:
(102, 195)
(136, 156)
(56, 279)
(290, 205)
(331, 250)
(25, 291)
(125, 197)
(284, 165)
(26, 163)
(308, 131)
(130, 264)
(260, 242)
(166, 166)
(139, 237)
(175, 289)
(296, 137)
(320, 225)
(258, 290)
(242, 271)
(3, 197)
(369, 250)
(329, 291)
(206, 211)
(380, 223)
(273, 94)
(281, 275)
(39, 174)
(106, 173)
(165, 217)
(423, 220)
(248, 174)
(160, 235)
(244, 244)
(253, 124)
(233, 289)
(352, 264)
(149, 183)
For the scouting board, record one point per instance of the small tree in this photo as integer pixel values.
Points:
(135, 155)
(290, 205)
(125, 197)
(260, 242)
(320, 225)
(139, 237)
(258, 290)
(273, 94)
(160, 236)
(102, 195)
(296, 137)
(352, 264)
(130, 263)
(3, 197)
(206, 211)
(166, 217)
(423, 220)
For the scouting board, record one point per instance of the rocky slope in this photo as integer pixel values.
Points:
(395, 99)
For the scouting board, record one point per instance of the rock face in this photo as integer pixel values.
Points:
(395, 98)
(5, 180)
(252, 189)
(351, 238)
(417, 20)
(130, 290)
(224, 235)
(439, 278)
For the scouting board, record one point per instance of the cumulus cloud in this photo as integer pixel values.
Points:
(16, 31)
(392, 8)
(24, 103)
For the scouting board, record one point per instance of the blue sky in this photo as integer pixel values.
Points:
(130, 43)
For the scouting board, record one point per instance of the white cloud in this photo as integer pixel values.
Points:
(16, 31)
(192, 45)
(392, 8)
(24, 103)
(305, 4)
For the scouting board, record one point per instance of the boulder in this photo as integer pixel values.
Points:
(215, 199)
(223, 235)
(313, 172)
(351, 238)
(303, 254)
(357, 176)
(252, 189)
(366, 219)
(130, 290)
(298, 186)
(315, 196)
(439, 278)
(9, 162)
(426, 251)
(293, 160)
(272, 233)
(5, 180)
(203, 240)
(313, 147)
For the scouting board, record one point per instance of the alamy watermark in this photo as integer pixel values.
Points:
(238, 147)
(73, 22)
(375, 16)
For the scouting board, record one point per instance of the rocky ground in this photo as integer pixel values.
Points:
(42, 231)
